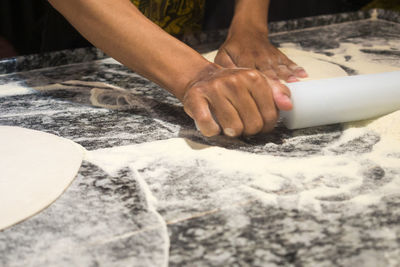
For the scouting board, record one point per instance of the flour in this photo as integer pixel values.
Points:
(387, 126)
(362, 62)
(312, 180)
(188, 178)
(11, 89)
(362, 58)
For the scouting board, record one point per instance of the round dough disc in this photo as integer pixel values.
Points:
(316, 65)
(35, 169)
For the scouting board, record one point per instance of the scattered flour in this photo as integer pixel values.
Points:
(361, 62)
(388, 126)
(223, 175)
(312, 180)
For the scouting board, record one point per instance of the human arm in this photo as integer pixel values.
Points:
(240, 99)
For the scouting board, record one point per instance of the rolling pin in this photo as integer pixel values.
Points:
(343, 99)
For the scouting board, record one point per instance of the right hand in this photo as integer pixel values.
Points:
(241, 101)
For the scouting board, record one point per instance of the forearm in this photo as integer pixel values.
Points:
(250, 14)
(119, 29)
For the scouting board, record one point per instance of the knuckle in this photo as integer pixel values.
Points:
(210, 132)
(192, 92)
(233, 79)
(253, 74)
(202, 117)
(217, 85)
(268, 127)
(271, 117)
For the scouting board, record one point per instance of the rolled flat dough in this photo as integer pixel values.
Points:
(35, 169)
(316, 67)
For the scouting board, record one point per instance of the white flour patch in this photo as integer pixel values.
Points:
(364, 59)
(197, 172)
(388, 126)
(12, 89)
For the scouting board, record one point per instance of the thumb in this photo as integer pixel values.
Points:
(223, 59)
(281, 95)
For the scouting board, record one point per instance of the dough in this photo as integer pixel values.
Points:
(387, 126)
(35, 169)
(316, 66)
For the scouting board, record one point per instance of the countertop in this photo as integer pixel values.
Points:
(167, 202)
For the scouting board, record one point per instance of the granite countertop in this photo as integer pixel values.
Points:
(166, 203)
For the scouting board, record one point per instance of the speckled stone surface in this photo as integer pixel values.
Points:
(31, 62)
(151, 209)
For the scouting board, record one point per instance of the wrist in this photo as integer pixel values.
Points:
(241, 30)
(191, 75)
(252, 16)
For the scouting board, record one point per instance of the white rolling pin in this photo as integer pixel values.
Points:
(342, 99)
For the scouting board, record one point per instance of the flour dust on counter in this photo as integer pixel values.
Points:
(15, 89)
(321, 196)
(208, 189)
(35, 169)
(388, 126)
(338, 174)
(205, 192)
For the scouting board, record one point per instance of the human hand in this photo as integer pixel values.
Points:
(241, 101)
(249, 48)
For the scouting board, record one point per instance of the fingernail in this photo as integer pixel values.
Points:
(197, 126)
(287, 98)
(229, 132)
(292, 79)
(302, 73)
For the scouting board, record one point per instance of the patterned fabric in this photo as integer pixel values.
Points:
(177, 17)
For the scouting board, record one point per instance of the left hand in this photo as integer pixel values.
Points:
(252, 49)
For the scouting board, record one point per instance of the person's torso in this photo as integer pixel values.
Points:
(177, 17)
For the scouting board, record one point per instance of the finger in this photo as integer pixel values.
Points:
(299, 71)
(263, 96)
(296, 69)
(266, 69)
(270, 74)
(198, 109)
(227, 116)
(281, 95)
(247, 109)
(285, 73)
(223, 59)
